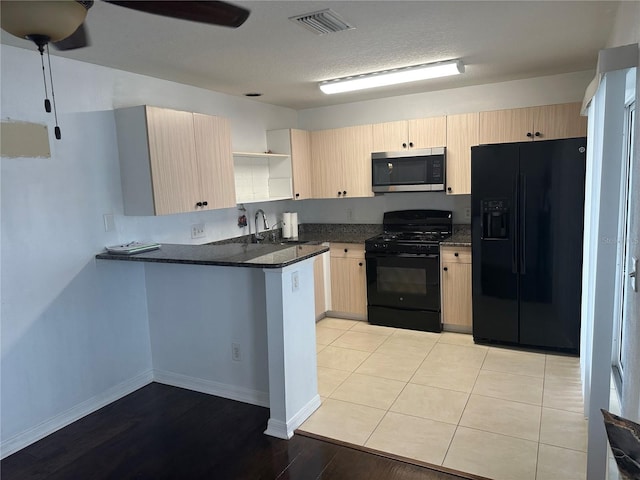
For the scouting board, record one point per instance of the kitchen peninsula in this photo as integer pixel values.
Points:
(241, 333)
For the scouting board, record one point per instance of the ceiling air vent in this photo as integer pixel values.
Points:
(321, 22)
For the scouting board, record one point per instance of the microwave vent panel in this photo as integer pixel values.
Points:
(322, 22)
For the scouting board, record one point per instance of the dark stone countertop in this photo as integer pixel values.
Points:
(266, 255)
(461, 237)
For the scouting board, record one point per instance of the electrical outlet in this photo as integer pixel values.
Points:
(236, 355)
(467, 213)
(197, 230)
(295, 281)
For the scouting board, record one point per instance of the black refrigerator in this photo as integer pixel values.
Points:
(527, 216)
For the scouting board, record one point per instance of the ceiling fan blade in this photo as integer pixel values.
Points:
(212, 12)
(77, 39)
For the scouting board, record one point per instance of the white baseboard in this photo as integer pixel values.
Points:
(280, 429)
(232, 392)
(21, 440)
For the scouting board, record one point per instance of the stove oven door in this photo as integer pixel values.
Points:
(403, 281)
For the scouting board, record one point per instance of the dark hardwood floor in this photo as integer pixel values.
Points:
(163, 432)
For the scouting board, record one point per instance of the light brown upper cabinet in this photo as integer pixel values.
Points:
(215, 161)
(341, 162)
(546, 122)
(408, 134)
(462, 134)
(297, 144)
(173, 161)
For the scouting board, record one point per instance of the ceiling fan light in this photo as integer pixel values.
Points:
(393, 77)
(53, 19)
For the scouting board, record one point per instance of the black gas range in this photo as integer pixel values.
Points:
(403, 269)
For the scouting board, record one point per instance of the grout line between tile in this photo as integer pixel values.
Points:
(563, 447)
(500, 434)
(544, 378)
(511, 373)
(450, 443)
(507, 400)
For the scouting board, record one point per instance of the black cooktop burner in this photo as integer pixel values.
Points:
(412, 237)
(412, 231)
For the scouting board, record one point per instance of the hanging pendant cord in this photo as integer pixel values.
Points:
(53, 97)
(47, 104)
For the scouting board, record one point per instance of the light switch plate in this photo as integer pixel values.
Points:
(109, 222)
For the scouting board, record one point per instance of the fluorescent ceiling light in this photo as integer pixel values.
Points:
(393, 77)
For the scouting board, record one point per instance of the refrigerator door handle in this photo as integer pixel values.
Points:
(514, 230)
(523, 226)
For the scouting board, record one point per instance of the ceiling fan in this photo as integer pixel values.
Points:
(61, 22)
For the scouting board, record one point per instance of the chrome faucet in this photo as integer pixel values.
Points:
(264, 221)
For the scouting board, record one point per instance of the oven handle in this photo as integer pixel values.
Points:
(372, 255)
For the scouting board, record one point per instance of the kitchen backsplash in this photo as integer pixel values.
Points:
(370, 210)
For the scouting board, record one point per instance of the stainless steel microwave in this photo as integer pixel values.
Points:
(419, 170)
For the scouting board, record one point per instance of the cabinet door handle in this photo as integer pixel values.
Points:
(411, 144)
(360, 264)
(537, 134)
(346, 250)
(297, 195)
(455, 254)
(344, 192)
(445, 269)
(205, 203)
(449, 189)
(199, 204)
(404, 145)
(339, 193)
(529, 134)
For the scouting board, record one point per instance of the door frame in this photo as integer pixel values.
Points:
(624, 250)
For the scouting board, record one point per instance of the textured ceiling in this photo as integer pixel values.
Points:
(269, 54)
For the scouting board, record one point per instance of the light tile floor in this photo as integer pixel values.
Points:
(501, 413)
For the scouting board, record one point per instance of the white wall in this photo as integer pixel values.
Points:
(624, 32)
(75, 332)
(627, 31)
(517, 93)
(193, 323)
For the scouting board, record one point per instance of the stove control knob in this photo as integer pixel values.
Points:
(385, 245)
(375, 245)
(401, 299)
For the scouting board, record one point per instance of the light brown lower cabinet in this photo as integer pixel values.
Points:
(455, 274)
(318, 282)
(348, 280)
